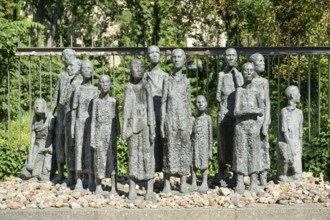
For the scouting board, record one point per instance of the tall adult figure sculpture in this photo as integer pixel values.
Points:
(176, 123)
(61, 102)
(155, 78)
(228, 81)
(261, 84)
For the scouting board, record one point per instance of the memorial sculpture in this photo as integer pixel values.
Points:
(139, 131)
(176, 124)
(201, 143)
(289, 150)
(61, 101)
(39, 159)
(261, 84)
(104, 130)
(74, 69)
(155, 78)
(228, 81)
(81, 123)
(247, 143)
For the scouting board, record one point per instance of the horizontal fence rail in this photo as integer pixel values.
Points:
(106, 51)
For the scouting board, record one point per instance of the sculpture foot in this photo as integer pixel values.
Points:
(203, 188)
(132, 196)
(193, 187)
(99, 190)
(150, 197)
(79, 187)
(283, 178)
(184, 189)
(254, 188)
(114, 192)
(58, 179)
(296, 177)
(167, 188)
(240, 189)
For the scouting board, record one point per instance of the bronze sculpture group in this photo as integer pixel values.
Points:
(158, 126)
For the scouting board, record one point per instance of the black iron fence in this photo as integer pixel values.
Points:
(306, 66)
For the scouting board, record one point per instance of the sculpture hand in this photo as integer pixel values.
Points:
(264, 131)
(29, 167)
(122, 140)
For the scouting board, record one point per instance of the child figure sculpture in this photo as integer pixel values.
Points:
(201, 143)
(139, 131)
(104, 130)
(41, 148)
(247, 132)
(290, 138)
(81, 120)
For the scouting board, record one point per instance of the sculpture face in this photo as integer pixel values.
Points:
(201, 103)
(178, 59)
(87, 70)
(39, 107)
(74, 67)
(231, 57)
(259, 64)
(153, 54)
(248, 70)
(295, 95)
(67, 56)
(104, 83)
(137, 70)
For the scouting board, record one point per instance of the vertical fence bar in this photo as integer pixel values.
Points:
(197, 75)
(278, 87)
(299, 77)
(309, 92)
(268, 62)
(30, 89)
(113, 75)
(19, 104)
(40, 78)
(70, 40)
(289, 61)
(61, 45)
(8, 99)
(319, 89)
(329, 80)
(51, 76)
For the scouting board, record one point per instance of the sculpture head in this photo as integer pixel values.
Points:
(201, 103)
(178, 58)
(87, 69)
(104, 83)
(153, 54)
(74, 67)
(259, 62)
(40, 107)
(292, 93)
(231, 57)
(137, 70)
(67, 56)
(248, 71)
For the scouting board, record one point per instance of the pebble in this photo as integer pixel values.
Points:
(18, 194)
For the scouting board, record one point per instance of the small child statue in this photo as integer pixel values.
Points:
(246, 157)
(290, 138)
(139, 131)
(201, 143)
(41, 148)
(104, 130)
(81, 120)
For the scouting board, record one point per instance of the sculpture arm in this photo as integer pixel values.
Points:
(74, 111)
(117, 122)
(163, 106)
(93, 118)
(239, 77)
(301, 126)
(30, 159)
(190, 119)
(126, 116)
(267, 110)
(237, 109)
(150, 113)
(210, 136)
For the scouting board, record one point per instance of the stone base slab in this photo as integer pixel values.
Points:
(258, 211)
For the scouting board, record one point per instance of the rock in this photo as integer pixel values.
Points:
(224, 191)
(183, 203)
(283, 202)
(74, 205)
(59, 203)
